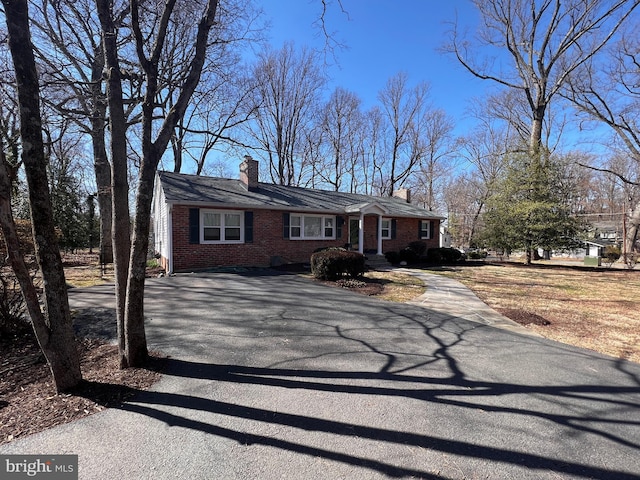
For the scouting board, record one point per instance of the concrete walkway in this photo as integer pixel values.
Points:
(450, 297)
(278, 377)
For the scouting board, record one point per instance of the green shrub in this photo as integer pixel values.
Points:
(392, 257)
(443, 256)
(434, 255)
(409, 255)
(477, 254)
(332, 263)
(419, 247)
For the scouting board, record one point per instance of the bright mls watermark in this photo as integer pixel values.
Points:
(51, 467)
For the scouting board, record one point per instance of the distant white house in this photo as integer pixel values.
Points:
(445, 237)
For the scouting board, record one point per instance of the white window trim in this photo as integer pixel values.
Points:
(382, 229)
(301, 226)
(428, 229)
(222, 213)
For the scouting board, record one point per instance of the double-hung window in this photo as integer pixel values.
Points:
(221, 226)
(386, 228)
(312, 227)
(425, 229)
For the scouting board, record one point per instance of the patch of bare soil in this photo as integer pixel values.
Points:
(392, 286)
(28, 400)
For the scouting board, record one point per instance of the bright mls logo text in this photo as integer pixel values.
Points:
(53, 467)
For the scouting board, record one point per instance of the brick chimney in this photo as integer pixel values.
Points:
(249, 172)
(403, 193)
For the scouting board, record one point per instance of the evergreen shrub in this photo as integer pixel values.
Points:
(444, 256)
(333, 263)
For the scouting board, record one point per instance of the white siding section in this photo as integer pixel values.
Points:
(160, 222)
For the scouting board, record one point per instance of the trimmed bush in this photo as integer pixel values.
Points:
(443, 256)
(418, 247)
(434, 255)
(392, 257)
(409, 255)
(333, 263)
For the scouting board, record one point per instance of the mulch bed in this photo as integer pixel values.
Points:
(524, 318)
(28, 401)
(363, 286)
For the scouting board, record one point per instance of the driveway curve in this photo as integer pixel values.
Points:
(275, 376)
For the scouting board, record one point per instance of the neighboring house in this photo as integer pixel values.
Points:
(445, 237)
(605, 234)
(203, 222)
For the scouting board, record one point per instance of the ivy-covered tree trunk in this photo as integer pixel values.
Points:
(54, 331)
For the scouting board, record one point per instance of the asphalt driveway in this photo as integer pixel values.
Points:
(274, 376)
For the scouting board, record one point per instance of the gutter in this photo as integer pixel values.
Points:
(292, 208)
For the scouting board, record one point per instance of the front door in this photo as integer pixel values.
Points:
(354, 233)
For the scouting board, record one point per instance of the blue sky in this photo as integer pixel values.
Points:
(382, 38)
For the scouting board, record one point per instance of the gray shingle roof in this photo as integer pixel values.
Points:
(185, 189)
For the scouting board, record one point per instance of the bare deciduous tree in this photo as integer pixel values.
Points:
(340, 127)
(54, 330)
(74, 86)
(150, 27)
(289, 82)
(406, 112)
(537, 45)
(609, 93)
(436, 163)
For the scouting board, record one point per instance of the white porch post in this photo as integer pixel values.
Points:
(361, 233)
(379, 234)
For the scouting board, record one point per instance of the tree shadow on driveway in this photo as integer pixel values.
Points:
(319, 373)
(436, 390)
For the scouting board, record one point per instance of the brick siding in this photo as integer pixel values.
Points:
(268, 242)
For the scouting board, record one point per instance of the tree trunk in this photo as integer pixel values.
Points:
(57, 339)
(136, 344)
(537, 124)
(135, 339)
(101, 165)
(528, 253)
(102, 170)
(21, 271)
(632, 226)
(121, 230)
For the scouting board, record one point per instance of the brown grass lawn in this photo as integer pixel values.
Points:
(595, 309)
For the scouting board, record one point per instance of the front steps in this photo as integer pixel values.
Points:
(376, 262)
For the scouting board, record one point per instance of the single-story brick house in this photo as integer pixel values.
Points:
(203, 222)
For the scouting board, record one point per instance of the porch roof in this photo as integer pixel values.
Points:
(367, 208)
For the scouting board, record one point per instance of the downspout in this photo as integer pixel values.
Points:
(361, 233)
(380, 234)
